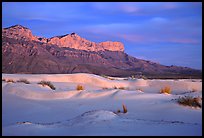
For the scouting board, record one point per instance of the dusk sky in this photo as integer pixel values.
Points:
(169, 33)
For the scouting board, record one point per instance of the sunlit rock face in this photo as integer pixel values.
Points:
(70, 40)
(18, 32)
(75, 41)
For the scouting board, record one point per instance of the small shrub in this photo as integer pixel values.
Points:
(3, 79)
(104, 76)
(144, 78)
(10, 80)
(111, 78)
(166, 89)
(48, 83)
(79, 87)
(190, 101)
(24, 81)
(122, 88)
(139, 89)
(115, 87)
(124, 109)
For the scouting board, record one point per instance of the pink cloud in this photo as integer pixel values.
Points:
(169, 5)
(184, 41)
(132, 37)
(173, 40)
(129, 8)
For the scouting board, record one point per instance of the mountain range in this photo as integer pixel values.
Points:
(22, 52)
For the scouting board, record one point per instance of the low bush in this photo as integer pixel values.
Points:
(166, 89)
(139, 89)
(190, 101)
(79, 87)
(115, 87)
(122, 88)
(24, 81)
(10, 80)
(47, 83)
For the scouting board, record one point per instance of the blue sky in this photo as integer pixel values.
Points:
(168, 33)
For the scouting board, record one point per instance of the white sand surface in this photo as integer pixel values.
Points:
(31, 109)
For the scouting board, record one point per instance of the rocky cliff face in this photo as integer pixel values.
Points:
(18, 32)
(70, 40)
(75, 41)
(24, 53)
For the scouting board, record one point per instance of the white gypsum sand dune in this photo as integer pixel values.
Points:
(32, 109)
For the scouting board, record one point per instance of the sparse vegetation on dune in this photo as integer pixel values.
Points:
(139, 89)
(166, 90)
(10, 80)
(79, 87)
(115, 87)
(121, 88)
(124, 110)
(47, 83)
(24, 81)
(190, 101)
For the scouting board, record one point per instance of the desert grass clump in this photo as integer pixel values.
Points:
(47, 83)
(143, 77)
(115, 87)
(79, 87)
(122, 88)
(10, 80)
(190, 101)
(124, 109)
(139, 89)
(166, 90)
(105, 88)
(111, 78)
(24, 81)
(118, 111)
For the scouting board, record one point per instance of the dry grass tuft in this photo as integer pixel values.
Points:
(115, 87)
(24, 81)
(124, 109)
(79, 87)
(190, 101)
(166, 89)
(10, 80)
(47, 83)
(122, 88)
(139, 89)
